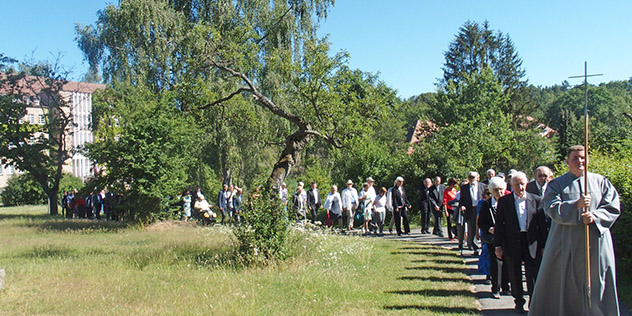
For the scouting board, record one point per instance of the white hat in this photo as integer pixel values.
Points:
(399, 179)
(349, 181)
(369, 179)
(300, 183)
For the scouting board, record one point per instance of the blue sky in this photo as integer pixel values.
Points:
(403, 40)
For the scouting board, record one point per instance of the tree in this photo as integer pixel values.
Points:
(40, 149)
(475, 47)
(234, 53)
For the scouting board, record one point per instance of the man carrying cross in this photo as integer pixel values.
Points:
(561, 288)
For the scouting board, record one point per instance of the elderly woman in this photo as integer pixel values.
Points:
(333, 205)
(379, 204)
(449, 194)
(486, 222)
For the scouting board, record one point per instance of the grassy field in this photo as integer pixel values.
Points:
(75, 267)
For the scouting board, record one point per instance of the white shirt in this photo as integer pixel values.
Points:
(380, 203)
(542, 189)
(283, 195)
(349, 198)
(474, 193)
(369, 197)
(521, 211)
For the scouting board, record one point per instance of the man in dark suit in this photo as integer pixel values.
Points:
(490, 174)
(313, 201)
(471, 193)
(425, 205)
(519, 236)
(543, 175)
(400, 206)
(436, 205)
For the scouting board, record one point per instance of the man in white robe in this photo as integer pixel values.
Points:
(561, 287)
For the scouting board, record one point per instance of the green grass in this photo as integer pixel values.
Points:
(56, 266)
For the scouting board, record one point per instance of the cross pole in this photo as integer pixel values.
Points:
(587, 208)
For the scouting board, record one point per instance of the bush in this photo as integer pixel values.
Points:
(262, 236)
(22, 189)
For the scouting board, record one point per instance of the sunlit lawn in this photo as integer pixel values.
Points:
(56, 266)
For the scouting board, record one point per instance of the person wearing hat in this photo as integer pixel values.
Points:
(400, 207)
(349, 202)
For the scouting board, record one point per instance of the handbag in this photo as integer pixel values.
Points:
(329, 222)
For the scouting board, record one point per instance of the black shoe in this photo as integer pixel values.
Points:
(519, 309)
(475, 253)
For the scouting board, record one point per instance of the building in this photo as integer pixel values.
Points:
(78, 96)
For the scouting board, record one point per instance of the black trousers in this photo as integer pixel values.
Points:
(314, 212)
(514, 263)
(424, 210)
(449, 219)
(401, 215)
(437, 222)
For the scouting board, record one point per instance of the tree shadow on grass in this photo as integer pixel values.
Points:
(420, 252)
(435, 309)
(437, 269)
(433, 278)
(25, 216)
(437, 261)
(427, 292)
(76, 225)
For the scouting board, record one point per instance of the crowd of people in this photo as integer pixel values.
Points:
(93, 205)
(507, 222)
(229, 205)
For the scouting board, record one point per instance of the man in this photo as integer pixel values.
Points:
(400, 207)
(490, 174)
(470, 194)
(222, 201)
(425, 205)
(349, 202)
(313, 201)
(561, 286)
(436, 205)
(389, 206)
(543, 175)
(519, 236)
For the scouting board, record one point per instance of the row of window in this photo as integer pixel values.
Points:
(41, 119)
(9, 170)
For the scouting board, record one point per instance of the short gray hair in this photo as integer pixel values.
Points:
(497, 182)
(519, 174)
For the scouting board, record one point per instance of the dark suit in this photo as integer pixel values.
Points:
(313, 202)
(466, 200)
(400, 209)
(487, 220)
(425, 208)
(532, 188)
(520, 246)
(436, 200)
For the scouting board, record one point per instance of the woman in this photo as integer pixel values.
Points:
(366, 201)
(186, 205)
(333, 205)
(449, 195)
(486, 222)
(379, 205)
(300, 204)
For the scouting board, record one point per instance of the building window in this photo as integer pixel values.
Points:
(41, 119)
(9, 170)
(31, 118)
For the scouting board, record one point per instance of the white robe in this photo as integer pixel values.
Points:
(560, 288)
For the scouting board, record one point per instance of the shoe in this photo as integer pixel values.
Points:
(496, 295)
(475, 253)
(488, 282)
(452, 239)
(504, 292)
(519, 309)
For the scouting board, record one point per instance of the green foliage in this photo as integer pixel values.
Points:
(148, 159)
(263, 234)
(609, 107)
(22, 189)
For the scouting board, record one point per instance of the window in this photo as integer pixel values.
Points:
(1, 169)
(31, 118)
(9, 170)
(41, 119)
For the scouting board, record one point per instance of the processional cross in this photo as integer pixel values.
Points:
(587, 208)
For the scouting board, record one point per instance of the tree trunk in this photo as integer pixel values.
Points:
(290, 156)
(52, 203)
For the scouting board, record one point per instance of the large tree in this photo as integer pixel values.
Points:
(222, 54)
(476, 47)
(40, 148)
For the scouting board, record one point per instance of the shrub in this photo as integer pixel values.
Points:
(22, 189)
(262, 236)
